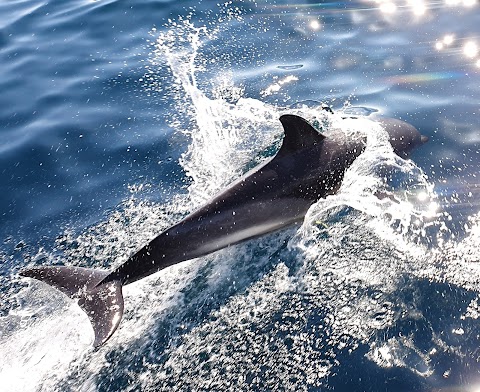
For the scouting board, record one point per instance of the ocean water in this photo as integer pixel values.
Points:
(117, 118)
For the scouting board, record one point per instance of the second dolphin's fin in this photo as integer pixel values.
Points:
(298, 134)
(103, 303)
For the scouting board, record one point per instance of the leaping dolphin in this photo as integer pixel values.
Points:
(308, 166)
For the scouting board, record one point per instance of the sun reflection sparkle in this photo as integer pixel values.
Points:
(418, 7)
(448, 39)
(388, 7)
(275, 87)
(396, 12)
(422, 196)
(470, 49)
(315, 24)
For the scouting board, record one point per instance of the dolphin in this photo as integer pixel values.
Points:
(307, 167)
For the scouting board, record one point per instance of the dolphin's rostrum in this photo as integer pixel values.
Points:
(276, 194)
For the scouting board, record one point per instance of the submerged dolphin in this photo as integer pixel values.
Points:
(273, 195)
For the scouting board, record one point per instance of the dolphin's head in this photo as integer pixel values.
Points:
(403, 136)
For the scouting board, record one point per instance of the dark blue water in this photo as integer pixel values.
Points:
(117, 118)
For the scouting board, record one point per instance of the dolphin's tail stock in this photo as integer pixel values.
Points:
(101, 301)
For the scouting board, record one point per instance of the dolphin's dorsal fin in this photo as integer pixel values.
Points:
(298, 134)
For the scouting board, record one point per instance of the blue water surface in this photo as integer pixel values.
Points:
(117, 118)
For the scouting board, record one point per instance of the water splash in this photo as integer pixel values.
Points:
(222, 136)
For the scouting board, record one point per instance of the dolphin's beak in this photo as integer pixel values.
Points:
(424, 139)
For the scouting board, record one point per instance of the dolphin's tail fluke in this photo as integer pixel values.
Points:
(102, 302)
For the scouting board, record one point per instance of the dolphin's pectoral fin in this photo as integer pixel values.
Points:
(298, 134)
(103, 303)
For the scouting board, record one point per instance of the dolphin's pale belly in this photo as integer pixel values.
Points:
(239, 236)
(214, 231)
